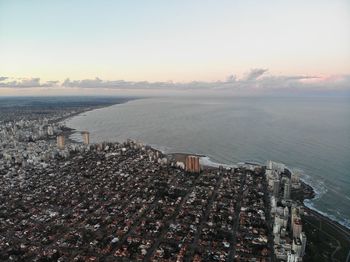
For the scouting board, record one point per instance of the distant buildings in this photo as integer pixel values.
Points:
(60, 142)
(192, 164)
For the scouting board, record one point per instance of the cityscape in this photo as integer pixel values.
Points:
(81, 201)
(174, 131)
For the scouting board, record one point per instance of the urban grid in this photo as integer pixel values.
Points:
(67, 201)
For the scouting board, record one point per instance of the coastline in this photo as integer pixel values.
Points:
(309, 191)
(67, 131)
(208, 163)
(322, 230)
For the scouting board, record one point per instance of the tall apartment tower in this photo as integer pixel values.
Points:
(276, 187)
(303, 243)
(286, 193)
(296, 246)
(86, 137)
(297, 227)
(50, 131)
(60, 142)
(192, 164)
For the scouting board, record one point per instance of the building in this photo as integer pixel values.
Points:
(86, 137)
(60, 141)
(296, 246)
(303, 243)
(286, 193)
(192, 164)
(292, 257)
(279, 167)
(297, 227)
(50, 130)
(276, 187)
(295, 180)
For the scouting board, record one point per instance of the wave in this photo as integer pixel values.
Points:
(318, 186)
(344, 222)
(320, 189)
(206, 161)
(76, 137)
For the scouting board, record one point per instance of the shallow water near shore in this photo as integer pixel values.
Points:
(308, 134)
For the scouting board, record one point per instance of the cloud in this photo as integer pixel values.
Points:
(231, 79)
(256, 81)
(255, 74)
(122, 84)
(25, 83)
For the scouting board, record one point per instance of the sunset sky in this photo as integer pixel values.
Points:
(179, 41)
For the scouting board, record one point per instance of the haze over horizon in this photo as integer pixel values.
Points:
(182, 47)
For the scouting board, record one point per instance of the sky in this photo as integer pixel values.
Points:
(68, 47)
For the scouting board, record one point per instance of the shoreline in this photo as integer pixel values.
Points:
(343, 229)
(211, 164)
(314, 194)
(68, 131)
(310, 196)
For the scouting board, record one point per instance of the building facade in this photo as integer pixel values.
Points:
(192, 164)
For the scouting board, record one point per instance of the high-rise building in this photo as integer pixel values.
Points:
(303, 243)
(269, 164)
(192, 164)
(295, 177)
(296, 246)
(50, 130)
(292, 257)
(86, 137)
(286, 193)
(297, 227)
(60, 141)
(276, 187)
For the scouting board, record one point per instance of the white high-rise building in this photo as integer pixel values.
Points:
(296, 246)
(50, 130)
(303, 243)
(292, 257)
(286, 212)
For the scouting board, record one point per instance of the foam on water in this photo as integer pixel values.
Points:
(206, 161)
(345, 222)
(320, 189)
(318, 186)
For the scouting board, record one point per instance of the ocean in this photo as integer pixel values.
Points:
(311, 135)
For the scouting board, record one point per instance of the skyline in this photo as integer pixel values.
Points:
(208, 42)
